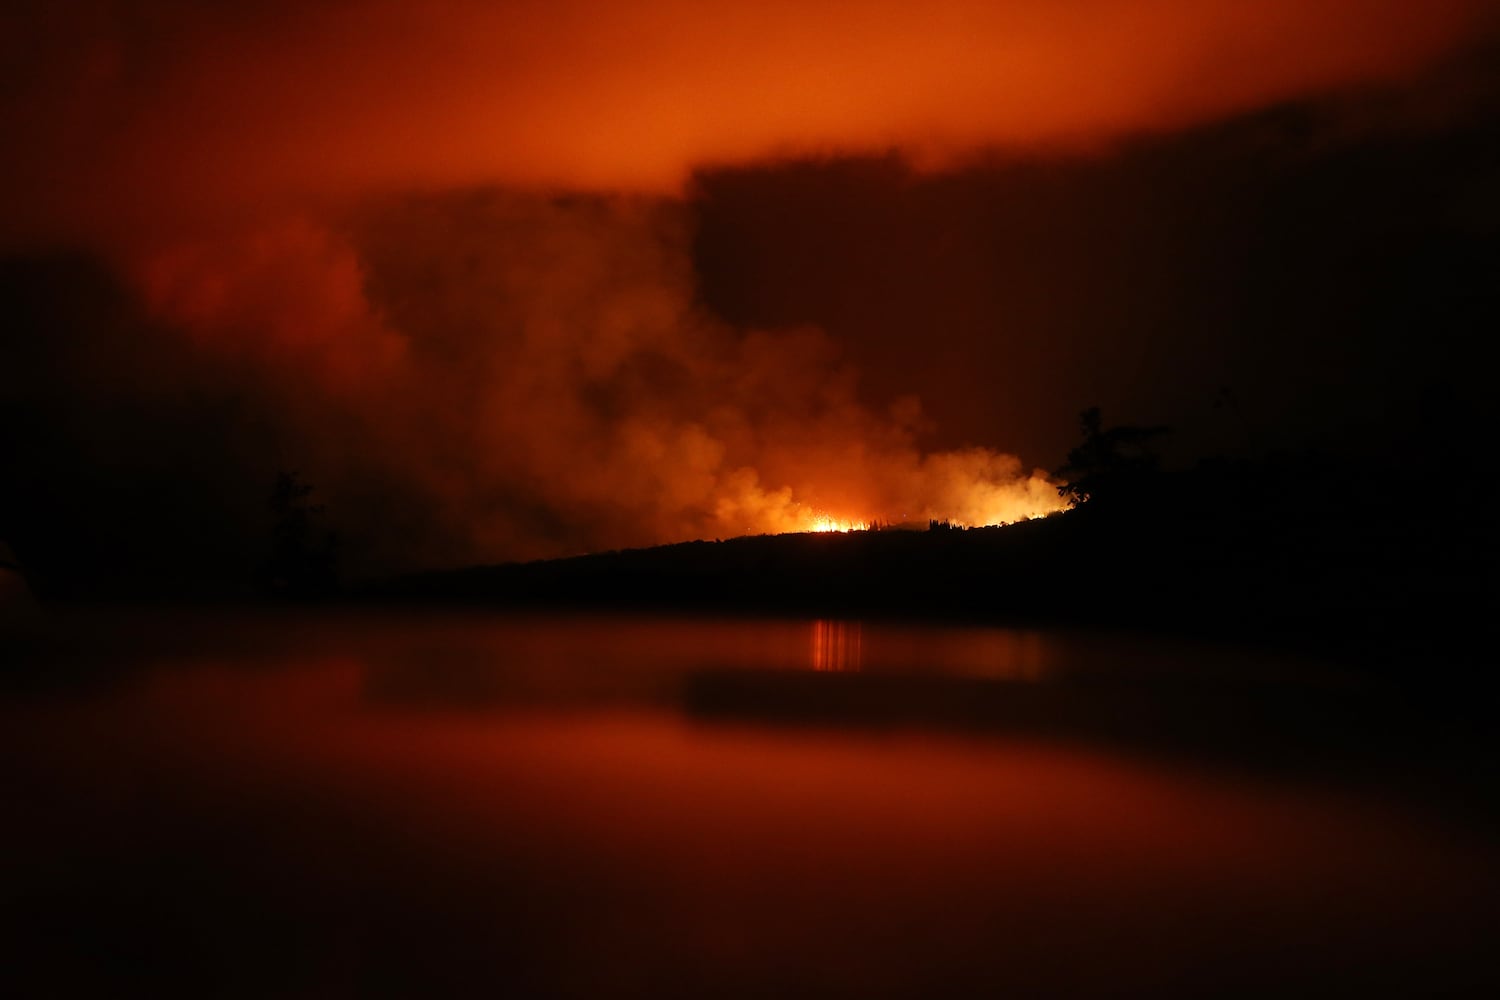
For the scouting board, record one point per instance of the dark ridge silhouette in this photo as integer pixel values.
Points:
(1288, 549)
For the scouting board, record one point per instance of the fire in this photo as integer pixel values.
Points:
(825, 523)
(822, 522)
(899, 489)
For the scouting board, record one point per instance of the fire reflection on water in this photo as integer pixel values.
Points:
(836, 646)
(520, 793)
(995, 654)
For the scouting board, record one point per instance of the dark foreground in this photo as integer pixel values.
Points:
(536, 806)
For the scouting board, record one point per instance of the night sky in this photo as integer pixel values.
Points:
(528, 279)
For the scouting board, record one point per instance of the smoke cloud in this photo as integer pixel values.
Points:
(512, 376)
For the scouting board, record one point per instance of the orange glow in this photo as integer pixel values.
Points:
(198, 112)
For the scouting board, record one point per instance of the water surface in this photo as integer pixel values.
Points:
(341, 806)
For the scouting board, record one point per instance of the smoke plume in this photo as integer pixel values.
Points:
(490, 376)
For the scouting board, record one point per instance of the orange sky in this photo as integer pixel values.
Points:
(136, 115)
(321, 236)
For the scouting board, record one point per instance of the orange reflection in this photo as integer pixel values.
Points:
(836, 645)
(322, 840)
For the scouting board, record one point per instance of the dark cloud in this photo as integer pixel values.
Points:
(1322, 269)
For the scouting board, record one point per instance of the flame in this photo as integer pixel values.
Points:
(823, 522)
(820, 522)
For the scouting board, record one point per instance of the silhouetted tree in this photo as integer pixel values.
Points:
(1108, 462)
(304, 558)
